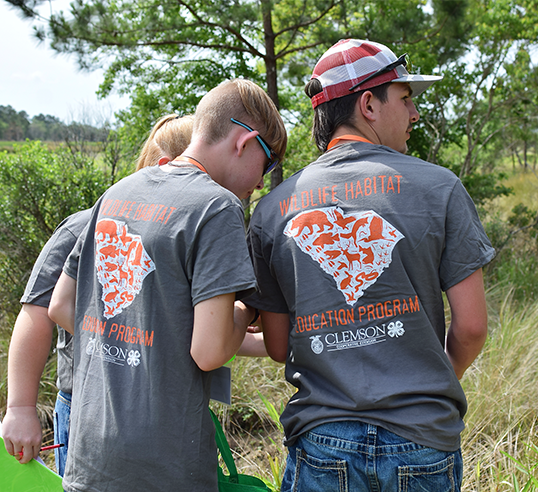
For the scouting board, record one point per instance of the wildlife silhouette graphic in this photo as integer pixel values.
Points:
(122, 264)
(353, 249)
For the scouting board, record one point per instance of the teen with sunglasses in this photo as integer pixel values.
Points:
(156, 278)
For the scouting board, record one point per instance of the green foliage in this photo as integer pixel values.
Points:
(166, 55)
(528, 468)
(302, 149)
(17, 126)
(13, 125)
(277, 462)
(484, 106)
(46, 127)
(523, 217)
(484, 187)
(512, 226)
(38, 189)
(272, 411)
(516, 269)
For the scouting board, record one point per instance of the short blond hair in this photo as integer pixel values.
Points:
(245, 101)
(169, 138)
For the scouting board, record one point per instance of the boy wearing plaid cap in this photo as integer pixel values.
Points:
(352, 255)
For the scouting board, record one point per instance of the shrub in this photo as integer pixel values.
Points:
(38, 189)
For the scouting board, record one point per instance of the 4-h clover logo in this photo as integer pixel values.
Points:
(396, 329)
(133, 358)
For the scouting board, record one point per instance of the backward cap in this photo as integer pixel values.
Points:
(351, 60)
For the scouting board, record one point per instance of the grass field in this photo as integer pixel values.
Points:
(6, 145)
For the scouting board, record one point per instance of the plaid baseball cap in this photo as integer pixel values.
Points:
(345, 65)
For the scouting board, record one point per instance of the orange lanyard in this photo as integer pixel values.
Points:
(337, 140)
(188, 159)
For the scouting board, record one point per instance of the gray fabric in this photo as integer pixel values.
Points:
(358, 247)
(45, 274)
(140, 418)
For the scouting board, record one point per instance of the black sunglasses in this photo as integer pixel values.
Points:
(269, 152)
(391, 66)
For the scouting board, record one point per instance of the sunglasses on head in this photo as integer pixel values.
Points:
(391, 66)
(269, 152)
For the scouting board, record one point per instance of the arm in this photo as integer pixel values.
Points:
(62, 303)
(469, 325)
(276, 328)
(253, 345)
(218, 331)
(28, 353)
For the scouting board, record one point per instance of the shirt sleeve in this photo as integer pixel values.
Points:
(221, 263)
(48, 267)
(467, 247)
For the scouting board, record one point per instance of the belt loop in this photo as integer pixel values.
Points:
(371, 438)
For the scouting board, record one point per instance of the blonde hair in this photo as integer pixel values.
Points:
(169, 138)
(245, 101)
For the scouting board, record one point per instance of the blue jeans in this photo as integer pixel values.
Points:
(356, 457)
(62, 414)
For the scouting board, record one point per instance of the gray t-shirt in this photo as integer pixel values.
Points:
(157, 244)
(357, 248)
(45, 274)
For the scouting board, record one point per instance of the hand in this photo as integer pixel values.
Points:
(21, 430)
(254, 329)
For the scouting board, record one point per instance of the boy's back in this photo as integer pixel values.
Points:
(152, 301)
(156, 241)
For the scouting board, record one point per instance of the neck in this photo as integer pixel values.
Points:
(185, 159)
(362, 129)
(335, 142)
(211, 156)
(199, 154)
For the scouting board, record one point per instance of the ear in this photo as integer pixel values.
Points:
(243, 140)
(164, 160)
(367, 105)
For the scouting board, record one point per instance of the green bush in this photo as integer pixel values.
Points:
(39, 187)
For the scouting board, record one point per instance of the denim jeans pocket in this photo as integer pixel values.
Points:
(437, 477)
(315, 475)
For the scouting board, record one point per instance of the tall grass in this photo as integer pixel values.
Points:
(502, 391)
(525, 186)
(259, 394)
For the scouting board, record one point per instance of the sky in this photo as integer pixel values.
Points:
(33, 78)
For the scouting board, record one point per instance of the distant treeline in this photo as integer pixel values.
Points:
(18, 126)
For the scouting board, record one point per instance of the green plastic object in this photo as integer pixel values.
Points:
(32, 476)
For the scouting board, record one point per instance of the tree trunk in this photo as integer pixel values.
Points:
(270, 68)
